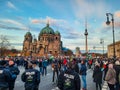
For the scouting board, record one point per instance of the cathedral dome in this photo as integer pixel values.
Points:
(47, 30)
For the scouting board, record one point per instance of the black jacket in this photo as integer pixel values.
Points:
(117, 69)
(31, 77)
(97, 75)
(76, 68)
(69, 80)
(5, 77)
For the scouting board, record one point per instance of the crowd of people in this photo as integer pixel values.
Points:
(107, 70)
(67, 73)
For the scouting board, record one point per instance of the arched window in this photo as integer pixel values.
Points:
(55, 52)
(56, 38)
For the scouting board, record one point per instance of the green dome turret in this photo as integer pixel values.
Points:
(28, 34)
(57, 32)
(47, 30)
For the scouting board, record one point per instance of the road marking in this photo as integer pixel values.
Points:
(56, 88)
(105, 86)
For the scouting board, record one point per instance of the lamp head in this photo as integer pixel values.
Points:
(107, 22)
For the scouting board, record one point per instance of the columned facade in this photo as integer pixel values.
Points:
(117, 50)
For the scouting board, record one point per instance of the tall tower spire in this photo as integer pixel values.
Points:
(86, 34)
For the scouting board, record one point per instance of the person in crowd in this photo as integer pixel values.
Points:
(45, 64)
(26, 63)
(69, 79)
(40, 65)
(31, 77)
(83, 73)
(21, 61)
(111, 77)
(60, 63)
(90, 63)
(117, 69)
(65, 63)
(76, 67)
(5, 76)
(55, 68)
(97, 76)
(79, 64)
(34, 63)
(105, 67)
(15, 71)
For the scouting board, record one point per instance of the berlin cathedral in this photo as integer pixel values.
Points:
(48, 43)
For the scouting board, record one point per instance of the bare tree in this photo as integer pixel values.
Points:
(4, 44)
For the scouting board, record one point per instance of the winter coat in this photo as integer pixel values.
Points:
(55, 65)
(31, 77)
(117, 69)
(83, 70)
(40, 63)
(69, 80)
(14, 71)
(111, 76)
(76, 67)
(45, 63)
(97, 75)
(5, 77)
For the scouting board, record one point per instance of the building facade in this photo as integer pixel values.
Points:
(48, 43)
(117, 50)
(77, 52)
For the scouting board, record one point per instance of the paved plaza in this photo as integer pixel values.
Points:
(46, 81)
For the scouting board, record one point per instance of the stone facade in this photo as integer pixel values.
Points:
(48, 43)
(117, 49)
(77, 53)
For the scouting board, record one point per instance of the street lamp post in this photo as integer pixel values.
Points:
(102, 42)
(108, 22)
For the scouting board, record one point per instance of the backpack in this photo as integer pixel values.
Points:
(68, 83)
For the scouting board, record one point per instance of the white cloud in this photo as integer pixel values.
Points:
(59, 24)
(117, 14)
(11, 5)
(52, 21)
(12, 24)
(83, 8)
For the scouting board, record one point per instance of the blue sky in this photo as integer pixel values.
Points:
(68, 16)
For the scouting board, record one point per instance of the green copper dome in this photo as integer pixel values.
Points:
(47, 30)
(57, 32)
(28, 34)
